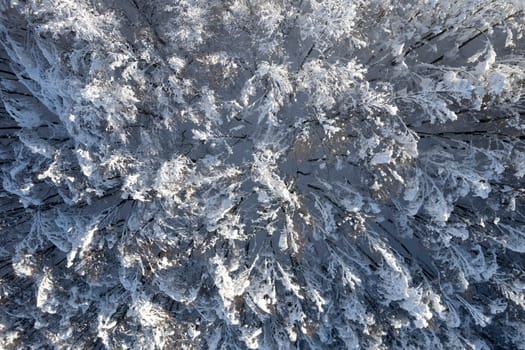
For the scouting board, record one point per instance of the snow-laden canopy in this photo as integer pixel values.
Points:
(263, 174)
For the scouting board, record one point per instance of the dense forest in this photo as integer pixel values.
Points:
(262, 174)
